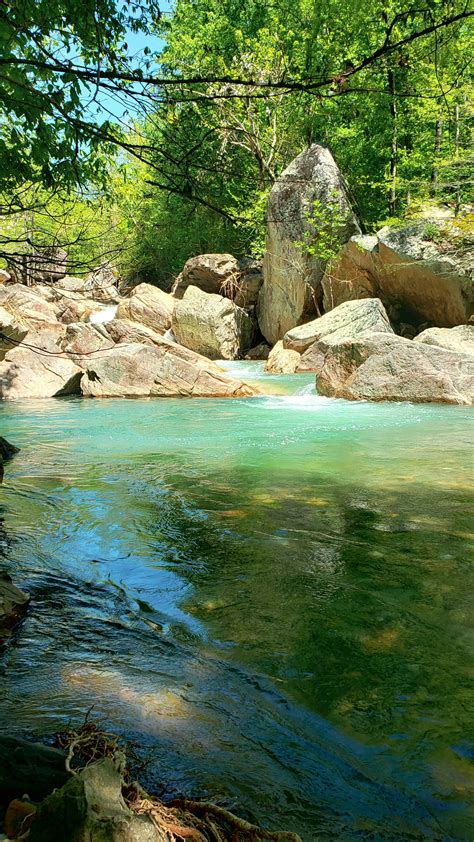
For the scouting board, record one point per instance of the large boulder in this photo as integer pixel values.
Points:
(27, 305)
(124, 330)
(38, 370)
(282, 361)
(297, 211)
(258, 352)
(12, 332)
(350, 320)
(420, 276)
(90, 808)
(83, 341)
(149, 306)
(384, 367)
(212, 325)
(213, 273)
(460, 339)
(13, 605)
(136, 370)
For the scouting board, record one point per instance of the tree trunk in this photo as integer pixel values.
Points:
(392, 196)
(437, 148)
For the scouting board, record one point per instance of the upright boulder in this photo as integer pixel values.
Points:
(212, 325)
(291, 291)
(148, 305)
(422, 272)
(350, 320)
(165, 370)
(385, 367)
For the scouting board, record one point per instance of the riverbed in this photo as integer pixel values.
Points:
(272, 596)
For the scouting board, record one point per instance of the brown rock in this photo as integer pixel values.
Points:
(168, 370)
(13, 604)
(282, 361)
(11, 332)
(149, 306)
(212, 325)
(38, 371)
(416, 278)
(259, 352)
(84, 341)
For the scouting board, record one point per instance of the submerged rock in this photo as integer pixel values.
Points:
(7, 450)
(281, 360)
(168, 370)
(13, 604)
(418, 279)
(352, 319)
(460, 339)
(291, 291)
(29, 767)
(149, 306)
(384, 367)
(212, 325)
(90, 808)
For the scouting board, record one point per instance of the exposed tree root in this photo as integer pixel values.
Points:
(184, 820)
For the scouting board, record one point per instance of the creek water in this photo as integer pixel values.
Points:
(271, 596)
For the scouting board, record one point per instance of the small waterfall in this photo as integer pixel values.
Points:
(168, 334)
(105, 314)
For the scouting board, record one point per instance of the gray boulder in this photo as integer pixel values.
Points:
(384, 367)
(212, 325)
(167, 370)
(291, 291)
(350, 320)
(419, 279)
(101, 284)
(460, 339)
(90, 808)
(258, 352)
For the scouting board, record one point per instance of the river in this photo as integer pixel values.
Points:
(272, 596)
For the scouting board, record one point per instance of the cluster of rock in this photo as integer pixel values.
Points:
(370, 301)
(356, 355)
(80, 337)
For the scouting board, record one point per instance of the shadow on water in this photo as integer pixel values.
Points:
(283, 637)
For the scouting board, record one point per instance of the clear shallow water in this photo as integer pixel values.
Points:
(273, 595)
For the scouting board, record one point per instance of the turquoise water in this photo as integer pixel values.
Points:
(272, 596)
